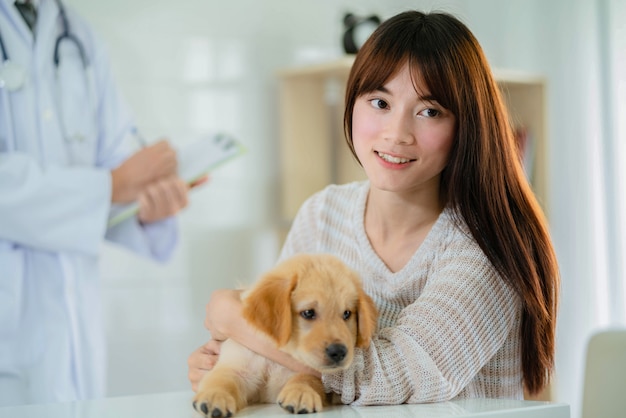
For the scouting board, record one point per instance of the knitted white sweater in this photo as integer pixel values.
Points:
(449, 327)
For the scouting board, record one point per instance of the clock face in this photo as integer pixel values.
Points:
(357, 31)
(362, 32)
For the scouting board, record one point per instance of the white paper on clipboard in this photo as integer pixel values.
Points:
(205, 155)
(194, 162)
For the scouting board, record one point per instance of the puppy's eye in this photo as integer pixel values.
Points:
(347, 315)
(308, 314)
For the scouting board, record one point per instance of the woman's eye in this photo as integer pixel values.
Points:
(379, 103)
(430, 113)
(347, 315)
(308, 314)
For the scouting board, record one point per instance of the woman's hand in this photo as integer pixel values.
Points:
(223, 313)
(223, 309)
(201, 361)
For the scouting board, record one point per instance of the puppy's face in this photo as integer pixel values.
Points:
(314, 307)
(324, 311)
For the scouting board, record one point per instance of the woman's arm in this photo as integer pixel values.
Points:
(224, 320)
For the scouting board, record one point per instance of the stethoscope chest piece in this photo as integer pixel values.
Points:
(12, 76)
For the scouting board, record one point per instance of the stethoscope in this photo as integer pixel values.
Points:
(13, 76)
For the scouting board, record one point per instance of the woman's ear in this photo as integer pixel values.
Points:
(367, 317)
(267, 306)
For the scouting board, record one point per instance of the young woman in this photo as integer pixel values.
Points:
(446, 233)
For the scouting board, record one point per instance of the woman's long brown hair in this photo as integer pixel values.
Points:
(484, 181)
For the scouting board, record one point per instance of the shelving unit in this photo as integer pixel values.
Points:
(312, 144)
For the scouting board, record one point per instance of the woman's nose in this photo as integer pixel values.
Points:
(399, 129)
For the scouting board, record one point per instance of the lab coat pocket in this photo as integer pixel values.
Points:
(76, 107)
(11, 287)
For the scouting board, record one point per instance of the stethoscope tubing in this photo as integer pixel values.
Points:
(6, 87)
(5, 103)
(66, 34)
(5, 55)
(10, 139)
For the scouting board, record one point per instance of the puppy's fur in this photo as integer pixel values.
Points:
(311, 306)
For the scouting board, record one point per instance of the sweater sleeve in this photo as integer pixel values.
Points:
(440, 341)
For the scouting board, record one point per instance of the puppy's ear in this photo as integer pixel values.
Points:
(367, 318)
(268, 306)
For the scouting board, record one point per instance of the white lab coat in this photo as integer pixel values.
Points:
(54, 205)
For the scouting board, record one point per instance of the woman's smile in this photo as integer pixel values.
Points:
(393, 159)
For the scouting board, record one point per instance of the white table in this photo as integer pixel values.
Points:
(178, 405)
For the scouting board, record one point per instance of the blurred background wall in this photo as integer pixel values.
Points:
(197, 66)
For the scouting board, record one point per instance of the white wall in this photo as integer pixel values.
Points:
(198, 65)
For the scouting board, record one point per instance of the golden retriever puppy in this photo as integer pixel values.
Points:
(314, 308)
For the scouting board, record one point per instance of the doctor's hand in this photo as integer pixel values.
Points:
(162, 198)
(147, 165)
(201, 361)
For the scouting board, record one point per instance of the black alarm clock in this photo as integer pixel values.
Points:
(357, 30)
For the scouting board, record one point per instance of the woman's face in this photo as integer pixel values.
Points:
(402, 137)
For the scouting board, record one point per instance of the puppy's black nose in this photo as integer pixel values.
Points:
(336, 352)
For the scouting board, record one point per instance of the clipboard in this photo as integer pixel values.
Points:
(195, 161)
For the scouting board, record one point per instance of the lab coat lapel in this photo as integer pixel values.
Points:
(17, 22)
(47, 30)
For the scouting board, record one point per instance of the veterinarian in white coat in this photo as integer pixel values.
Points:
(61, 137)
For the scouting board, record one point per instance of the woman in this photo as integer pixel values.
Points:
(446, 233)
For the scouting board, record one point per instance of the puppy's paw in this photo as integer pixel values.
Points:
(300, 398)
(215, 403)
